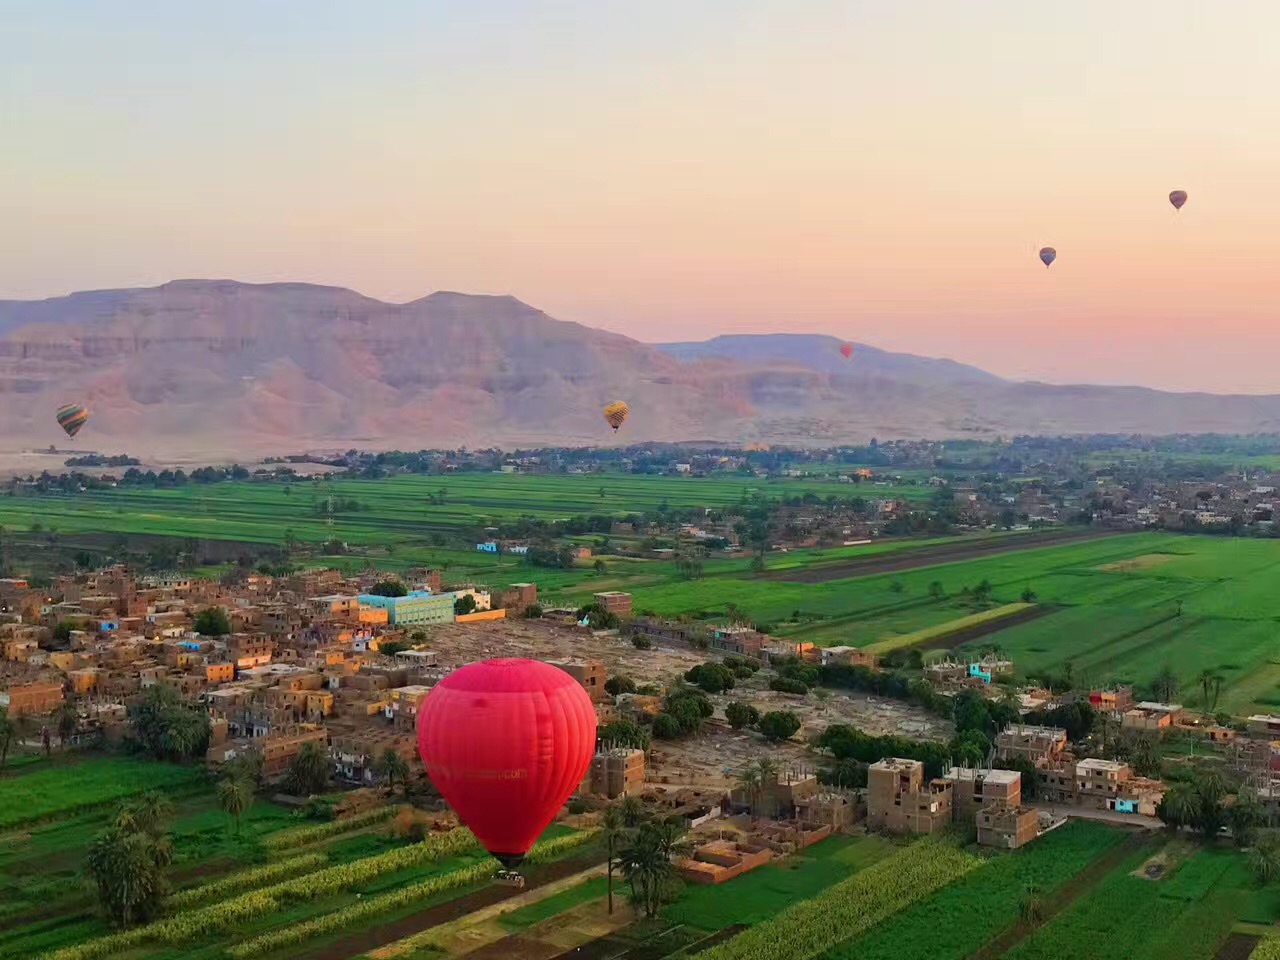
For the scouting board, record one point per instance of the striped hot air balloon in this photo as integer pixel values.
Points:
(72, 416)
(616, 414)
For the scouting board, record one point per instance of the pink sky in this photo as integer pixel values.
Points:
(882, 172)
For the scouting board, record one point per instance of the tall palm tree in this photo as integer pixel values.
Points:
(749, 781)
(632, 810)
(1264, 858)
(68, 721)
(393, 767)
(1217, 689)
(1206, 683)
(308, 771)
(1179, 806)
(7, 733)
(614, 829)
(235, 796)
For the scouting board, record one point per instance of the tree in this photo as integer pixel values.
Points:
(935, 590)
(308, 771)
(213, 622)
(624, 733)
(741, 715)
(1165, 685)
(463, 605)
(641, 642)
(633, 811)
(618, 684)
(666, 727)
(1028, 595)
(166, 728)
(756, 779)
(1217, 689)
(614, 831)
(779, 725)
(68, 720)
(600, 568)
(7, 733)
(533, 611)
(1179, 806)
(711, 677)
(1031, 907)
(1264, 858)
(1245, 817)
(1206, 684)
(393, 767)
(126, 861)
(235, 796)
(388, 588)
(1144, 755)
(647, 867)
(982, 592)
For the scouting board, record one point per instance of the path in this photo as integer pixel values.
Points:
(1102, 816)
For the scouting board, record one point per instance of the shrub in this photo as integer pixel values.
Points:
(666, 727)
(779, 724)
(784, 685)
(641, 643)
(300, 836)
(741, 715)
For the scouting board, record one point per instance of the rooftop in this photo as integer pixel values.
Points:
(992, 776)
(1096, 763)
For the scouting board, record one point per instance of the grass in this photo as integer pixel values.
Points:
(1140, 919)
(55, 791)
(536, 912)
(762, 893)
(963, 916)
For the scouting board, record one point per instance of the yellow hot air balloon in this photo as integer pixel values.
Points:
(71, 417)
(616, 414)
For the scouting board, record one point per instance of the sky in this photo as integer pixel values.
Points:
(881, 171)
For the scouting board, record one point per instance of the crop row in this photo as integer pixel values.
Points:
(808, 928)
(358, 912)
(225, 915)
(246, 880)
(299, 836)
(949, 627)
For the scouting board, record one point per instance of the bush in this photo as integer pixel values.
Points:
(666, 727)
(783, 685)
(388, 588)
(711, 677)
(741, 715)
(533, 611)
(212, 622)
(624, 733)
(779, 724)
(619, 684)
(641, 643)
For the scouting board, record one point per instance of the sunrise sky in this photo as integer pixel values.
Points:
(881, 171)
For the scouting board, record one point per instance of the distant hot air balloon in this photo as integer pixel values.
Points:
(616, 414)
(1048, 255)
(846, 350)
(71, 417)
(1178, 198)
(507, 741)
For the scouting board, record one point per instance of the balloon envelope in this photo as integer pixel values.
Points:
(71, 417)
(846, 350)
(507, 741)
(1178, 198)
(616, 413)
(1048, 255)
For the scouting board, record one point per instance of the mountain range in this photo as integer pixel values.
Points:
(215, 369)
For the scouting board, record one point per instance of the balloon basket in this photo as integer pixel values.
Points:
(510, 878)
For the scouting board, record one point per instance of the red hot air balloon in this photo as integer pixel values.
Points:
(846, 350)
(507, 741)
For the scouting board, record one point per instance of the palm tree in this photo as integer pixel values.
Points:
(1179, 806)
(1211, 786)
(1103, 726)
(7, 732)
(68, 721)
(235, 796)
(614, 829)
(308, 771)
(1217, 689)
(1244, 817)
(1265, 857)
(646, 863)
(393, 767)
(1206, 682)
(632, 811)
(1165, 685)
(1031, 908)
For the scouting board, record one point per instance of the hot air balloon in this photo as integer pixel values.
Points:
(616, 414)
(1048, 255)
(1178, 198)
(846, 350)
(71, 417)
(507, 741)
